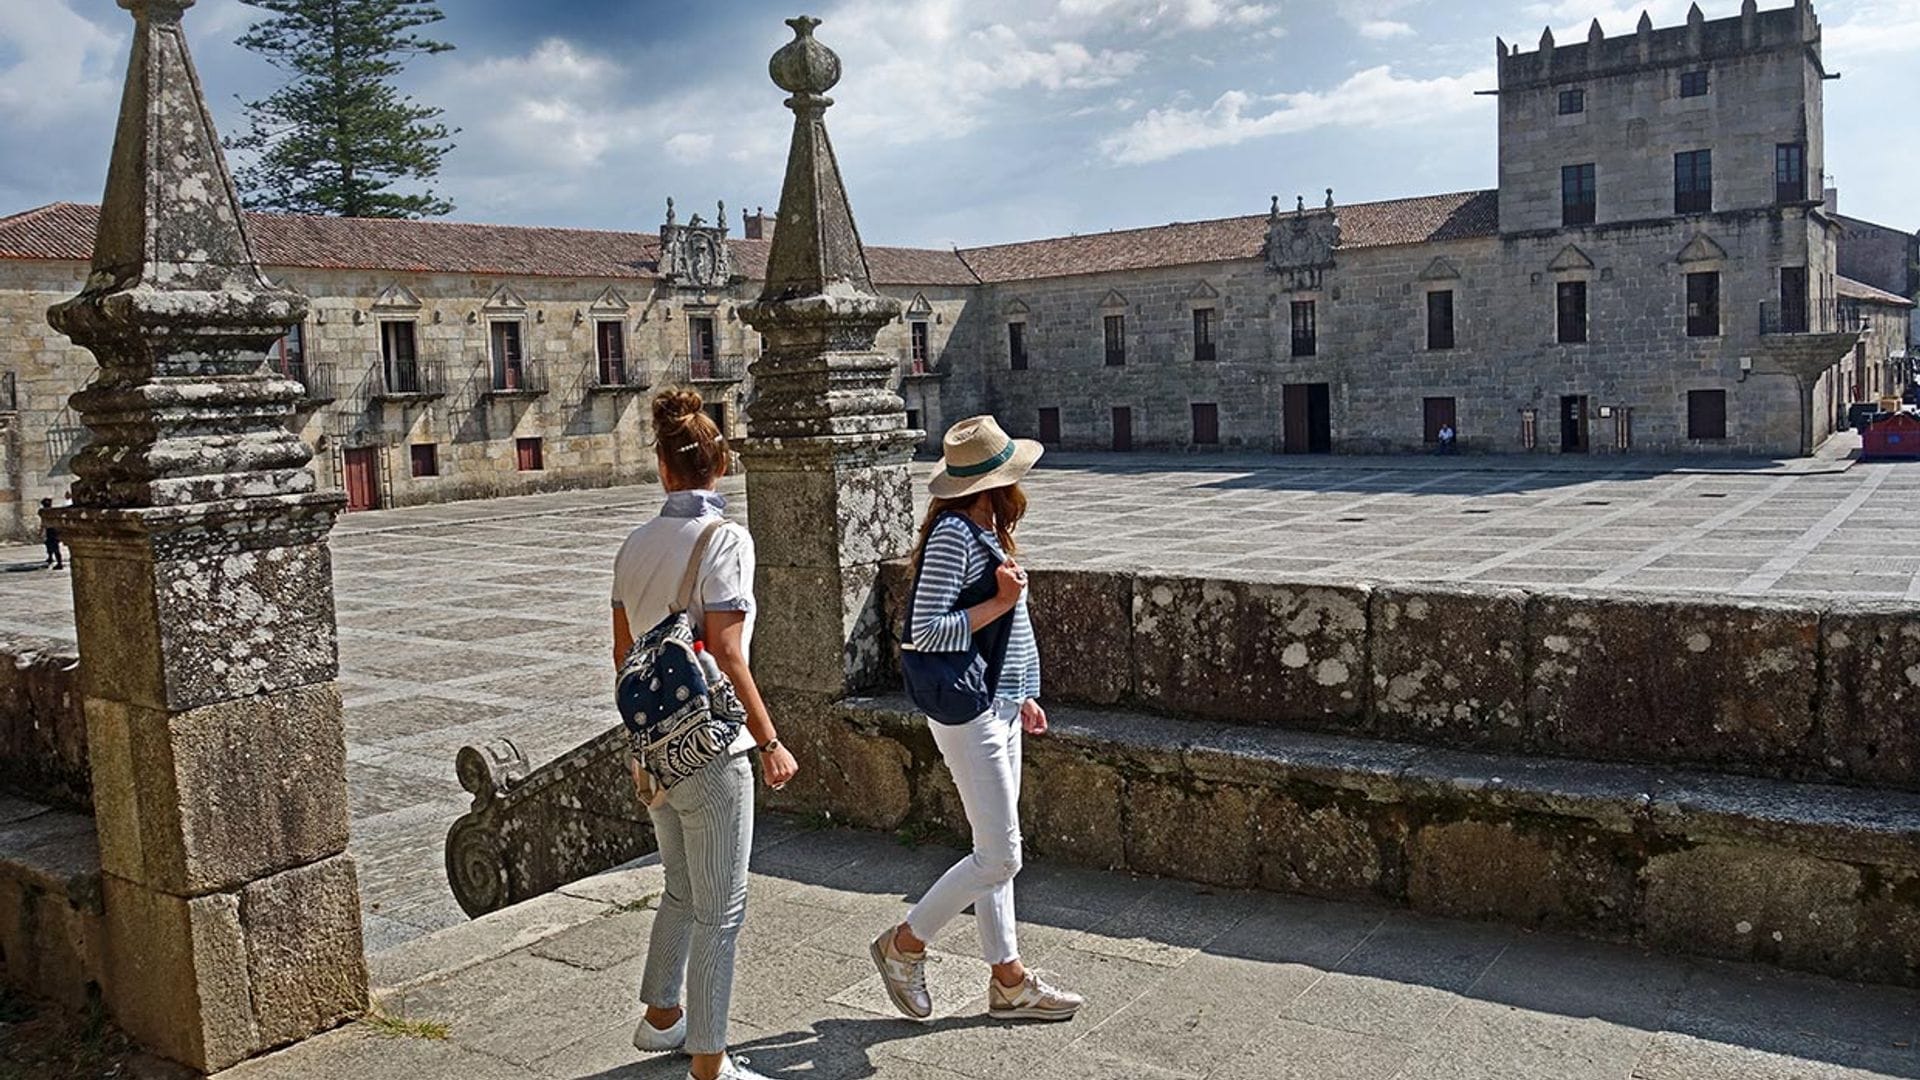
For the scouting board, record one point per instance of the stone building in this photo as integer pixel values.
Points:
(1656, 270)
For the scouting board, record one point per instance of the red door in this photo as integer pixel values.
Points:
(363, 478)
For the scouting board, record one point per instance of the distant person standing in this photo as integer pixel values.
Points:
(52, 537)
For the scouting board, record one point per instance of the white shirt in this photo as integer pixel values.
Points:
(647, 572)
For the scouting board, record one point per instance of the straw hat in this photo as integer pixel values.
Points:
(977, 456)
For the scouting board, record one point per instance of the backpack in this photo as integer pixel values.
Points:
(680, 712)
(955, 687)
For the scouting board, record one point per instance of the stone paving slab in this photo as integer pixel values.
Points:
(466, 621)
(1183, 983)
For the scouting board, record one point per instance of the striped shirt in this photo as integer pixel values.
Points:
(953, 559)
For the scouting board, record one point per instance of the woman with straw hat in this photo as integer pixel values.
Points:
(969, 603)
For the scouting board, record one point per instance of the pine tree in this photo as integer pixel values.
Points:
(338, 136)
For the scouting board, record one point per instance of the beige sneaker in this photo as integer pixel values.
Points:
(1031, 1000)
(905, 976)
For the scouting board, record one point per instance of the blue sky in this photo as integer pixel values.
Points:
(958, 121)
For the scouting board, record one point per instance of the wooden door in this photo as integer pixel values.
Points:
(1439, 413)
(362, 467)
(1306, 418)
(1293, 419)
(1206, 424)
(1573, 424)
(1050, 426)
(1122, 428)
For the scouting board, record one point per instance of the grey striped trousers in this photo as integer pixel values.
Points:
(705, 832)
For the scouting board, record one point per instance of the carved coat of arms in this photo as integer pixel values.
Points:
(695, 255)
(1301, 245)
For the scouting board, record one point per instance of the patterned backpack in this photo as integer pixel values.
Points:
(680, 713)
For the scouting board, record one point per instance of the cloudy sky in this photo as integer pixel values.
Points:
(959, 121)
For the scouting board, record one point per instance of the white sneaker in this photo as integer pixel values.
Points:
(1033, 999)
(904, 974)
(652, 1040)
(733, 1068)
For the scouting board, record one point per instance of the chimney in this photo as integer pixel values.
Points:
(757, 225)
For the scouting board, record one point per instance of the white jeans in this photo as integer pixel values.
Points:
(983, 755)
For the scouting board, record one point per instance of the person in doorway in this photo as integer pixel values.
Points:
(704, 823)
(967, 541)
(51, 536)
(1445, 439)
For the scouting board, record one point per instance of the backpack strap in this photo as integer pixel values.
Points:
(683, 600)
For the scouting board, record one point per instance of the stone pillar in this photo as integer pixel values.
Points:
(203, 598)
(829, 492)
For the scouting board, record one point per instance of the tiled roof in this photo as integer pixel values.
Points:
(1459, 216)
(1850, 289)
(65, 231)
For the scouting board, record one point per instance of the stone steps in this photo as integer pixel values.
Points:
(1807, 876)
(52, 920)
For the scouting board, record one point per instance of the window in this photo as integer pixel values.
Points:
(1206, 425)
(717, 412)
(1440, 319)
(702, 347)
(919, 329)
(1693, 84)
(1017, 346)
(1693, 182)
(288, 356)
(509, 361)
(1116, 330)
(1579, 197)
(400, 357)
(1703, 305)
(1570, 305)
(1203, 349)
(1305, 332)
(1050, 426)
(1793, 300)
(913, 419)
(1789, 173)
(1572, 101)
(426, 459)
(527, 454)
(610, 347)
(1706, 414)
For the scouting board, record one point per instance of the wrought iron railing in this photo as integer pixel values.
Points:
(524, 376)
(403, 379)
(316, 376)
(614, 376)
(1810, 317)
(695, 369)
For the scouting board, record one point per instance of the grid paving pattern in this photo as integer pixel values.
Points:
(468, 621)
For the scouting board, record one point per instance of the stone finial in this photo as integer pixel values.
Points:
(1546, 40)
(1499, 48)
(804, 67)
(1329, 198)
(1749, 8)
(1645, 25)
(1274, 212)
(670, 218)
(816, 248)
(720, 216)
(1595, 35)
(1696, 17)
(1299, 204)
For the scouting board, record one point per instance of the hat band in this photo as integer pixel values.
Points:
(982, 468)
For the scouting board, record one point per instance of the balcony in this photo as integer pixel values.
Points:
(516, 378)
(912, 367)
(706, 369)
(406, 381)
(1810, 317)
(315, 377)
(616, 377)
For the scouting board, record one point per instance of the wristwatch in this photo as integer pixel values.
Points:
(770, 745)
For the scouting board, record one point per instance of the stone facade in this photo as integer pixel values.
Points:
(1422, 312)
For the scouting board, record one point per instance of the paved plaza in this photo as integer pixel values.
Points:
(467, 621)
(1181, 982)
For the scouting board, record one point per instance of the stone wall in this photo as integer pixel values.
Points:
(43, 729)
(589, 437)
(1761, 688)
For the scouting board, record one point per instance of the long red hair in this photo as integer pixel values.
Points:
(1009, 506)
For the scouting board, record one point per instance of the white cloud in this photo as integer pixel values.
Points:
(1384, 29)
(1873, 30)
(690, 147)
(62, 66)
(1372, 98)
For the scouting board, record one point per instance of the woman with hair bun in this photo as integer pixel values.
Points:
(704, 823)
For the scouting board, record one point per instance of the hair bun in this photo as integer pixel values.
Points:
(672, 408)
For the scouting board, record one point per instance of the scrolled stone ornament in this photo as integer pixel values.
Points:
(476, 869)
(490, 770)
